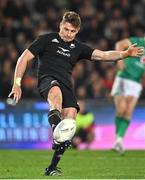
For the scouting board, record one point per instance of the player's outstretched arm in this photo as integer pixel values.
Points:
(117, 55)
(19, 72)
(120, 46)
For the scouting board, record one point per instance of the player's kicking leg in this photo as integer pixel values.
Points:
(55, 101)
(54, 117)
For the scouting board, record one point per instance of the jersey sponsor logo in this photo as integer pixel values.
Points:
(72, 46)
(55, 40)
(64, 50)
(142, 59)
(63, 53)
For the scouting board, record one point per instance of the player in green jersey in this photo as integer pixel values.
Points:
(126, 89)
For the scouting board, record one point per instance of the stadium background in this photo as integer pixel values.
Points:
(103, 23)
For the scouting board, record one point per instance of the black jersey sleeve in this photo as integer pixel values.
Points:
(86, 52)
(38, 45)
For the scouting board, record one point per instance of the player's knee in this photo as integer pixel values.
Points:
(121, 112)
(69, 113)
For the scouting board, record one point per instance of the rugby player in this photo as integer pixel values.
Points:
(58, 52)
(127, 88)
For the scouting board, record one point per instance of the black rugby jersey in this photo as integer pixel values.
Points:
(57, 57)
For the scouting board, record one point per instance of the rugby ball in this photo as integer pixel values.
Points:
(65, 130)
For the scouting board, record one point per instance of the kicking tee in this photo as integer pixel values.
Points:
(57, 57)
(134, 66)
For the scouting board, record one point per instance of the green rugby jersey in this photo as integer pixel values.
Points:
(134, 66)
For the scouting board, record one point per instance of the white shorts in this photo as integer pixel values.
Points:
(125, 87)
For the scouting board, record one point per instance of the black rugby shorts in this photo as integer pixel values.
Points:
(69, 99)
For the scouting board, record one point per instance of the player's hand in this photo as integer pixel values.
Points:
(135, 51)
(16, 93)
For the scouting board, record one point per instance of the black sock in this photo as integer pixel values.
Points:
(56, 157)
(59, 151)
(54, 118)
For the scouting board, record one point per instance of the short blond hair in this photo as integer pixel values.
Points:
(73, 18)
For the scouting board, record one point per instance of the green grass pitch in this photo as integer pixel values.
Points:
(30, 164)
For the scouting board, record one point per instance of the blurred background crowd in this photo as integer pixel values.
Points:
(103, 23)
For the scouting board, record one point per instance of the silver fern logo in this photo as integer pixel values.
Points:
(72, 46)
(55, 40)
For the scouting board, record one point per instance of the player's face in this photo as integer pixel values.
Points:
(67, 31)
